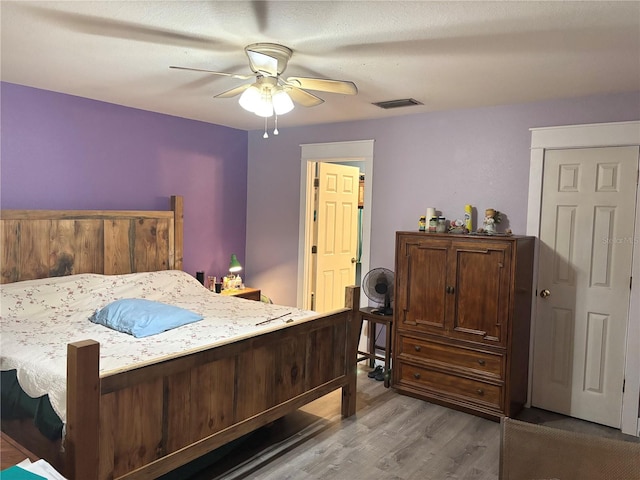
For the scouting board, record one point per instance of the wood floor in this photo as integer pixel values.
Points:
(391, 437)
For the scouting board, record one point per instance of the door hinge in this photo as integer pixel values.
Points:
(314, 249)
(630, 282)
(624, 381)
(316, 182)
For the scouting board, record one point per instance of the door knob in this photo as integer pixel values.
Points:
(353, 260)
(545, 293)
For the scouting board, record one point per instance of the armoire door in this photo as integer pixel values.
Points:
(421, 279)
(478, 287)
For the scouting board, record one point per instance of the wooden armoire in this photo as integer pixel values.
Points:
(461, 320)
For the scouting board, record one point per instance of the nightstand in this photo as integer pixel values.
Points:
(248, 293)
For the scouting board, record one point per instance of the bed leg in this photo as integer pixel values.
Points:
(83, 410)
(354, 326)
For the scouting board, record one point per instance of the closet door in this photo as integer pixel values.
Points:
(478, 291)
(585, 267)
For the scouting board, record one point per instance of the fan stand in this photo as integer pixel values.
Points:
(386, 310)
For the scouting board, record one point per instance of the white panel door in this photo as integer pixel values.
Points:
(337, 234)
(586, 245)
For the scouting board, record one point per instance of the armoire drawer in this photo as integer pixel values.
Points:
(465, 389)
(484, 363)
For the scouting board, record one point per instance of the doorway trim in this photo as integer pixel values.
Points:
(334, 152)
(590, 136)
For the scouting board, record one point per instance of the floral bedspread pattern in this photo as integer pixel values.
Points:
(40, 317)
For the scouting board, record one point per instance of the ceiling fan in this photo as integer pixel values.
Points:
(271, 93)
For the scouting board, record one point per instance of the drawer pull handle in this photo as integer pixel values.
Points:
(481, 361)
(480, 391)
(416, 376)
(417, 348)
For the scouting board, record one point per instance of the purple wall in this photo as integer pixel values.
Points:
(440, 159)
(65, 152)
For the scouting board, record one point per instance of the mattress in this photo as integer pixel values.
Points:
(40, 317)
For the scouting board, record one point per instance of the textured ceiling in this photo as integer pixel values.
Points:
(447, 55)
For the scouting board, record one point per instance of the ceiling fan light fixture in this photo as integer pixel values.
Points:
(282, 102)
(250, 98)
(264, 107)
(264, 98)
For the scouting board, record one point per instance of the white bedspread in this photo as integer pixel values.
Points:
(40, 317)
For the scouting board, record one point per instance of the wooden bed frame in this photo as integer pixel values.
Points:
(145, 421)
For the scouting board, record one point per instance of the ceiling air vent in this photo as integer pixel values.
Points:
(404, 102)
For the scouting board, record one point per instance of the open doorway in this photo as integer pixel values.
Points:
(357, 153)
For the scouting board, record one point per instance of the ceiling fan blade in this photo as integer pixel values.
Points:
(261, 13)
(305, 99)
(234, 91)
(323, 85)
(95, 25)
(261, 63)
(232, 75)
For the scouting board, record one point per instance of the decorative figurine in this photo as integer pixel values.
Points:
(491, 219)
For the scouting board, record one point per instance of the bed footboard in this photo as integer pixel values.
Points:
(147, 421)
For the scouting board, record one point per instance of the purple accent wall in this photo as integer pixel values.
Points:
(439, 159)
(65, 152)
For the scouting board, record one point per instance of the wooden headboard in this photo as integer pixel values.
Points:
(52, 243)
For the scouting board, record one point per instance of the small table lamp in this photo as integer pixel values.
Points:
(234, 265)
(234, 280)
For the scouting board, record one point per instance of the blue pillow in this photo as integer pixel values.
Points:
(141, 318)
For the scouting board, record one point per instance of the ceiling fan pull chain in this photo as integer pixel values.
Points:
(266, 135)
(275, 130)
